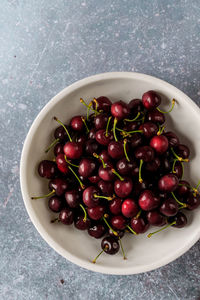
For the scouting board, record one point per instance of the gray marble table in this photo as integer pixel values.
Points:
(45, 45)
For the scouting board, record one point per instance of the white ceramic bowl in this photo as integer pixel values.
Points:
(143, 254)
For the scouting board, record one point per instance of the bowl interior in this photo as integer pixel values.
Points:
(143, 254)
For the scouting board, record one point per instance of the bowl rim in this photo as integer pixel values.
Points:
(50, 241)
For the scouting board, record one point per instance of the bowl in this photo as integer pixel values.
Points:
(144, 254)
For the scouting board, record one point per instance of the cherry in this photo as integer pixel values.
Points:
(55, 204)
(100, 121)
(124, 167)
(129, 208)
(180, 219)
(153, 165)
(131, 126)
(138, 187)
(106, 187)
(61, 134)
(182, 151)
(102, 103)
(115, 206)
(96, 213)
(86, 167)
(151, 100)
(165, 165)
(148, 201)
(58, 185)
(102, 138)
(169, 207)
(159, 143)
(149, 129)
(168, 183)
(66, 216)
(155, 218)
(123, 188)
(178, 169)
(116, 149)
(156, 116)
(118, 222)
(120, 233)
(135, 106)
(94, 179)
(120, 110)
(82, 224)
(97, 231)
(106, 172)
(81, 140)
(183, 189)
(110, 245)
(58, 149)
(91, 134)
(77, 123)
(91, 146)
(136, 140)
(172, 138)
(62, 164)
(104, 155)
(47, 169)
(193, 201)
(139, 225)
(72, 198)
(89, 198)
(73, 150)
(146, 153)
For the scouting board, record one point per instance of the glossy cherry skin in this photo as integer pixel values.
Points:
(110, 245)
(135, 106)
(104, 155)
(97, 231)
(156, 116)
(100, 121)
(73, 150)
(91, 134)
(47, 169)
(91, 146)
(115, 206)
(159, 143)
(136, 140)
(96, 213)
(86, 167)
(129, 208)
(151, 100)
(119, 232)
(102, 138)
(182, 151)
(193, 201)
(148, 201)
(66, 216)
(146, 153)
(172, 138)
(59, 185)
(81, 140)
(169, 207)
(178, 169)
(77, 124)
(131, 126)
(183, 189)
(106, 187)
(123, 188)
(120, 110)
(81, 224)
(139, 225)
(125, 167)
(138, 187)
(55, 204)
(153, 165)
(180, 219)
(155, 218)
(62, 164)
(166, 165)
(168, 183)
(149, 129)
(72, 198)
(58, 149)
(61, 134)
(94, 179)
(88, 196)
(116, 150)
(106, 173)
(102, 103)
(118, 222)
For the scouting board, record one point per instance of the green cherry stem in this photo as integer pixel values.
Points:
(69, 162)
(107, 126)
(134, 131)
(180, 203)
(99, 157)
(125, 152)
(161, 129)
(80, 182)
(56, 119)
(117, 174)
(114, 129)
(166, 112)
(45, 196)
(55, 220)
(124, 256)
(152, 233)
(138, 214)
(128, 120)
(94, 260)
(140, 171)
(51, 145)
(88, 106)
(178, 157)
(88, 110)
(103, 197)
(173, 166)
(85, 213)
(131, 230)
(87, 129)
(113, 231)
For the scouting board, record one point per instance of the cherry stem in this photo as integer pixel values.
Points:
(85, 213)
(81, 184)
(180, 203)
(138, 214)
(51, 145)
(125, 152)
(140, 171)
(198, 184)
(88, 110)
(131, 230)
(113, 231)
(173, 166)
(103, 197)
(161, 129)
(99, 157)
(94, 260)
(128, 120)
(114, 129)
(96, 103)
(124, 256)
(44, 196)
(55, 220)
(182, 169)
(107, 126)
(150, 234)
(70, 162)
(56, 119)
(88, 106)
(83, 119)
(178, 157)
(117, 174)
(166, 112)
(134, 131)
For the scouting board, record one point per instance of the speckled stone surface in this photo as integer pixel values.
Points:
(45, 45)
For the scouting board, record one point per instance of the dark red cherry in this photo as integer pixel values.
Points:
(136, 140)
(100, 121)
(193, 201)
(149, 129)
(55, 204)
(77, 124)
(151, 100)
(94, 179)
(135, 106)
(166, 165)
(138, 187)
(155, 218)
(59, 185)
(66, 216)
(168, 183)
(97, 231)
(62, 164)
(106, 173)
(129, 208)
(125, 167)
(118, 222)
(102, 138)
(96, 213)
(47, 169)
(180, 219)
(115, 206)
(106, 188)
(102, 103)
(119, 232)
(58, 149)
(146, 153)
(91, 146)
(123, 188)
(116, 149)
(110, 245)
(131, 126)
(120, 110)
(61, 134)
(169, 207)
(72, 198)
(182, 151)
(159, 143)
(73, 150)
(178, 169)
(156, 116)
(86, 167)
(81, 140)
(153, 165)
(148, 201)
(82, 224)
(139, 225)
(91, 134)
(183, 189)
(89, 196)
(172, 138)
(104, 155)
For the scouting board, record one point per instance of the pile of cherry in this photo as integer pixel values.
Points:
(118, 170)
